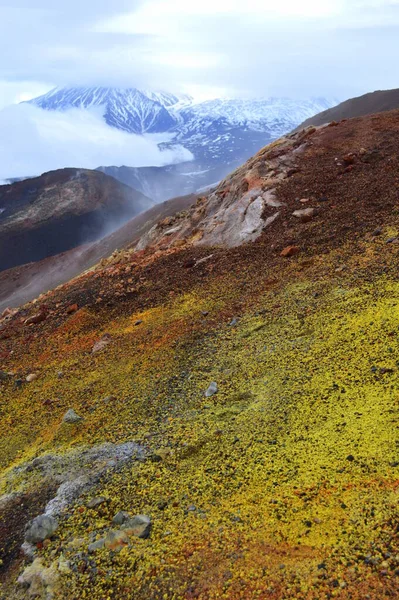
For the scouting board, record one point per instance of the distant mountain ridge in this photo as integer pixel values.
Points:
(374, 102)
(220, 133)
(60, 210)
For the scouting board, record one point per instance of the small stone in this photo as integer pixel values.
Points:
(204, 312)
(350, 457)
(97, 501)
(139, 526)
(31, 377)
(292, 171)
(71, 309)
(349, 159)
(305, 214)
(289, 251)
(4, 376)
(35, 319)
(212, 389)
(109, 399)
(188, 264)
(191, 508)
(41, 528)
(116, 540)
(377, 231)
(60, 374)
(121, 517)
(71, 417)
(162, 504)
(102, 343)
(392, 240)
(304, 200)
(63, 565)
(98, 545)
(138, 322)
(233, 322)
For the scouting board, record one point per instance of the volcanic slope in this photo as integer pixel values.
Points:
(59, 210)
(281, 481)
(374, 102)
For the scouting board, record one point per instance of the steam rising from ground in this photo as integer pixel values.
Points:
(35, 141)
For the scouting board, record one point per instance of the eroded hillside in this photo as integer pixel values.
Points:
(242, 399)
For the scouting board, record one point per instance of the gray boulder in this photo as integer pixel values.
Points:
(139, 526)
(41, 528)
(121, 518)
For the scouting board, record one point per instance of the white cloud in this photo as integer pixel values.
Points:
(12, 92)
(38, 141)
(291, 47)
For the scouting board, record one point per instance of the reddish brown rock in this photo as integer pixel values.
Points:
(35, 319)
(349, 159)
(289, 251)
(71, 309)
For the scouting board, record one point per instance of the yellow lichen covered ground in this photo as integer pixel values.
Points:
(284, 484)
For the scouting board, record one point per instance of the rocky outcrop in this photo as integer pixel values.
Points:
(241, 207)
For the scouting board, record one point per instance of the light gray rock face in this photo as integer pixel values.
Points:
(71, 417)
(212, 389)
(41, 528)
(238, 222)
(241, 207)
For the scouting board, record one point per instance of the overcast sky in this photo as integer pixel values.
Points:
(208, 48)
(296, 48)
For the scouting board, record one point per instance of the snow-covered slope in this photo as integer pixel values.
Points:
(260, 114)
(220, 133)
(127, 109)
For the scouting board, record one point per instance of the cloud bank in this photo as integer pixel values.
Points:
(262, 47)
(39, 140)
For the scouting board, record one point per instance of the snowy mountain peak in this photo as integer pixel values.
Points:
(128, 109)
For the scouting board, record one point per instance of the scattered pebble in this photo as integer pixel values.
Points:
(97, 501)
(102, 343)
(35, 319)
(290, 251)
(212, 389)
(71, 417)
(31, 377)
